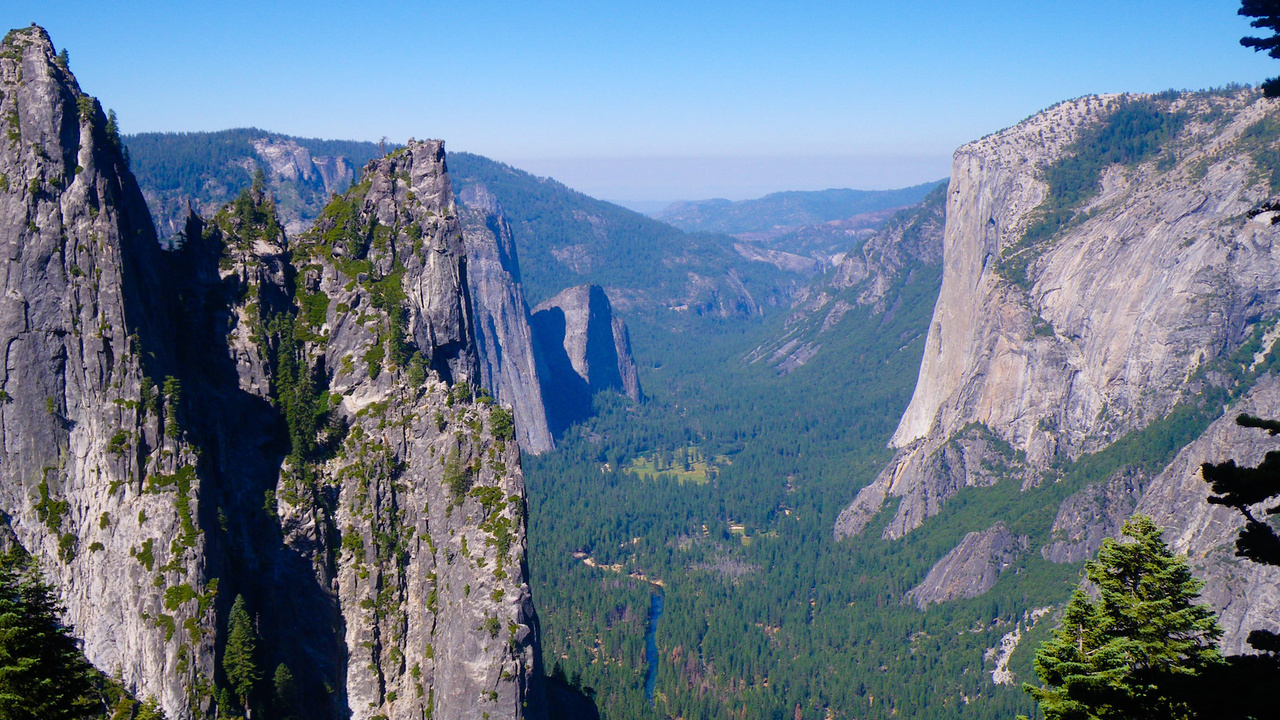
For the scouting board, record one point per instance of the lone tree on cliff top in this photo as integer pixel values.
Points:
(1266, 14)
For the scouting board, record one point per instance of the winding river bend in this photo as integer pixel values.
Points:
(651, 645)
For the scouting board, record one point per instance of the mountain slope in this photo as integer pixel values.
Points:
(207, 169)
(905, 251)
(566, 238)
(786, 209)
(288, 424)
(511, 366)
(1109, 285)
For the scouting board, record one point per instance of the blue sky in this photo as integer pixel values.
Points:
(644, 101)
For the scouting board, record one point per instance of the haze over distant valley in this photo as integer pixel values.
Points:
(900, 317)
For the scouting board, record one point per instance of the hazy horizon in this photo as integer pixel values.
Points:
(645, 102)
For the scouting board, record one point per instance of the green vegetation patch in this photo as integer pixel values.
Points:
(1262, 142)
(457, 477)
(1132, 133)
(48, 510)
(180, 481)
(685, 464)
(315, 307)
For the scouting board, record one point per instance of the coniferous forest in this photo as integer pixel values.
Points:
(687, 544)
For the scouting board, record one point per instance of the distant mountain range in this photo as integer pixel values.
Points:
(682, 259)
(564, 238)
(787, 209)
(208, 169)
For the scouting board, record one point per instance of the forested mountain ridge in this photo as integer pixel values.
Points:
(205, 170)
(256, 467)
(786, 209)
(262, 450)
(805, 232)
(907, 249)
(566, 238)
(1110, 282)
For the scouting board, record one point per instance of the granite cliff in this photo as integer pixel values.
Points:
(293, 420)
(94, 475)
(587, 350)
(511, 365)
(1109, 272)
(205, 170)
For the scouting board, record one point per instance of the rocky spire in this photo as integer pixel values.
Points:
(96, 475)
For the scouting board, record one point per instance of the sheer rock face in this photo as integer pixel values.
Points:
(302, 182)
(1092, 515)
(429, 572)
(910, 238)
(971, 568)
(1165, 274)
(587, 349)
(1171, 270)
(151, 399)
(91, 469)
(1246, 594)
(510, 362)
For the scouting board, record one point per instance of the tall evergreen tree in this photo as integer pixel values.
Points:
(1243, 488)
(238, 660)
(43, 675)
(1136, 652)
(284, 702)
(1266, 14)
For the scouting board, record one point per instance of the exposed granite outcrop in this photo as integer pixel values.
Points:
(511, 364)
(1092, 515)
(302, 182)
(587, 349)
(1135, 308)
(288, 419)
(97, 474)
(975, 457)
(1164, 273)
(1245, 594)
(971, 568)
(428, 575)
(300, 178)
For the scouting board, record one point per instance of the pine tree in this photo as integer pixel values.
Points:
(1246, 682)
(43, 675)
(285, 700)
(1266, 14)
(238, 657)
(1243, 488)
(149, 710)
(1138, 650)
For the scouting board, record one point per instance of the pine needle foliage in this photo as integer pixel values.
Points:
(238, 659)
(43, 675)
(1135, 652)
(1244, 487)
(1265, 14)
